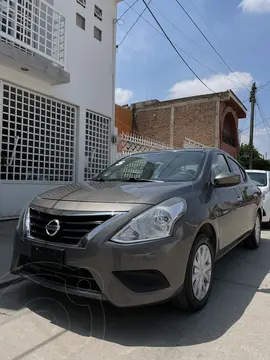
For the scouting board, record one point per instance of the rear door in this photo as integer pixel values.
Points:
(225, 204)
(247, 199)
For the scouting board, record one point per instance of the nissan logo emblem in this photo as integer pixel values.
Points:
(52, 227)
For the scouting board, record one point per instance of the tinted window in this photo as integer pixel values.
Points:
(259, 179)
(219, 165)
(235, 168)
(164, 166)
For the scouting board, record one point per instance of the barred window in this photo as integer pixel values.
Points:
(97, 134)
(38, 137)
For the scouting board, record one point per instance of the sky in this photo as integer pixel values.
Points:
(149, 68)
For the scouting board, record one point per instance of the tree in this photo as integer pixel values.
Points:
(259, 162)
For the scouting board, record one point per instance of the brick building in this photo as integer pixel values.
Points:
(210, 119)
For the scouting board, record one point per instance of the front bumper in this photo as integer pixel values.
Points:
(125, 275)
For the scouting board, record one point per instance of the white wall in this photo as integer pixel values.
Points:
(90, 63)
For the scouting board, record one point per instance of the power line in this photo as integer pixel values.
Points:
(212, 46)
(182, 50)
(129, 7)
(247, 128)
(176, 27)
(266, 125)
(202, 17)
(133, 25)
(263, 86)
(174, 47)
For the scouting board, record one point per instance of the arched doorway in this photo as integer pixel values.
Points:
(229, 131)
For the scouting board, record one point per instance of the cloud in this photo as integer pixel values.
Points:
(122, 96)
(255, 6)
(217, 83)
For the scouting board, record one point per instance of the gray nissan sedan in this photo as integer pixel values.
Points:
(146, 230)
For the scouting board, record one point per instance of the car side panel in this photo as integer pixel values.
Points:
(225, 209)
(248, 206)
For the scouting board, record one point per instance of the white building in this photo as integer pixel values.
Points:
(57, 81)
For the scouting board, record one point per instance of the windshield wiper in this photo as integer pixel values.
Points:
(128, 180)
(143, 180)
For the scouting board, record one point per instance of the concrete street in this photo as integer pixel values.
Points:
(36, 323)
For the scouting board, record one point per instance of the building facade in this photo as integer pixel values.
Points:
(123, 120)
(57, 82)
(211, 120)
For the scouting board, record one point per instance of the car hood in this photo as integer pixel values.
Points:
(149, 193)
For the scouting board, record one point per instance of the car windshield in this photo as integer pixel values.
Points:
(162, 166)
(259, 179)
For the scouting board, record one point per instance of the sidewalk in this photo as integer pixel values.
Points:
(7, 229)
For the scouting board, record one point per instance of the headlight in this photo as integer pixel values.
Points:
(154, 223)
(24, 221)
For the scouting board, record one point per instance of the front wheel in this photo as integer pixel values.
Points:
(254, 239)
(199, 276)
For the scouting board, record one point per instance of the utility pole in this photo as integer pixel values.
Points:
(252, 112)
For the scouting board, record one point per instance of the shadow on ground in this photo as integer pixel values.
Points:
(239, 276)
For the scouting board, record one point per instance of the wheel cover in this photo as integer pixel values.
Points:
(258, 230)
(201, 272)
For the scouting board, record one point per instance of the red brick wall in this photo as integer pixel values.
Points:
(154, 123)
(195, 121)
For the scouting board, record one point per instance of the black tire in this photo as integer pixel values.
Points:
(187, 301)
(254, 240)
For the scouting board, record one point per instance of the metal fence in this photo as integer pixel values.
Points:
(132, 144)
(34, 26)
(189, 144)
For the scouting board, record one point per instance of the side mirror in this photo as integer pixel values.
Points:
(227, 179)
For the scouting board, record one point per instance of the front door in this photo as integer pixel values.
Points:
(247, 199)
(225, 204)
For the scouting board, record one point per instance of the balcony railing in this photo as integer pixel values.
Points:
(33, 26)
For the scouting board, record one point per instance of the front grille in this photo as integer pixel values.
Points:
(72, 227)
(78, 278)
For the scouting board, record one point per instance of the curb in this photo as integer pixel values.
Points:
(11, 282)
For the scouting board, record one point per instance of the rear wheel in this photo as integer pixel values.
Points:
(254, 239)
(199, 276)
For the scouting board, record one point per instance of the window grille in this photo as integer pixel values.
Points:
(82, 2)
(38, 137)
(97, 137)
(98, 13)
